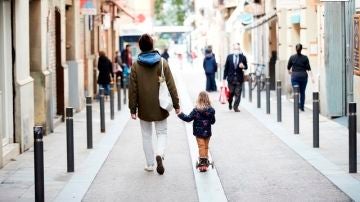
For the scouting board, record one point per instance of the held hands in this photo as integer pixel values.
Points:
(177, 111)
(133, 116)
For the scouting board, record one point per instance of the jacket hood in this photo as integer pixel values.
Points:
(149, 58)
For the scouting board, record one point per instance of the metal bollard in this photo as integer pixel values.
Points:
(243, 89)
(278, 96)
(89, 122)
(70, 139)
(316, 119)
(118, 88)
(268, 95)
(250, 90)
(258, 94)
(125, 86)
(296, 109)
(352, 138)
(112, 110)
(102, 111)
(39, 163)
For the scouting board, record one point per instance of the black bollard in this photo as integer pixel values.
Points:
(125, 86)
(278, 96)
(258, 94)
(352, 138)
(112, 110)
(296, 109)
(243, 89)
(118, 88)
(316, 119)
(89, 122)
(250, 90)
(268, 95)
(102, 111)
(70, 139)
(39, 163)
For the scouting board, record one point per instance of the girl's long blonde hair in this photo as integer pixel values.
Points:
(203, 101)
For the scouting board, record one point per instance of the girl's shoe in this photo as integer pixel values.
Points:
(203, 164)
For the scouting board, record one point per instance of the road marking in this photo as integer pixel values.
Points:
(208, 184)
(80, 182)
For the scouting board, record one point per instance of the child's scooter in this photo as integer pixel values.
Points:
(203, 163)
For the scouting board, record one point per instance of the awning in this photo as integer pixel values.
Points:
(233, 18)
(121, 6)
(260, 21)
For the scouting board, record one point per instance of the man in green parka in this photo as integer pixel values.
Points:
(144, 100)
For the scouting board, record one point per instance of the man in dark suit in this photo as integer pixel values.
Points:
(234, 74)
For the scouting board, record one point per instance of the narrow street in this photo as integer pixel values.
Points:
(251, 162)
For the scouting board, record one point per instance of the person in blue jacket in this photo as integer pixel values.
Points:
(210, 68)
(203, 116)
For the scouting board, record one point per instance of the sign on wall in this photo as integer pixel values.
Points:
(356, 39)
(87, 7)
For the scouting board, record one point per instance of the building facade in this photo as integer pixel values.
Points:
(48, 61)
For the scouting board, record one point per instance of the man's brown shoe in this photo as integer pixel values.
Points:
(160, 167)
(237, 110)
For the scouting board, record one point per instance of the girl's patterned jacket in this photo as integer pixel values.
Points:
(203, 119)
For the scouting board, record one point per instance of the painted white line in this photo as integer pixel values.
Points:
(80, 182)
(343, 180)
(208, 184)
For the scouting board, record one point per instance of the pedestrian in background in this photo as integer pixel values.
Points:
(126, 57)
(165, 54)
(144, 100)
(105, 72)
(234, 74)
(118, 65)
(210, 67)
(299, 67)
(203, 116)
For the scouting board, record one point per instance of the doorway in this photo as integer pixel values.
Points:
(59, 69)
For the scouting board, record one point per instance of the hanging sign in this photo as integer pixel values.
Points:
(87, 7)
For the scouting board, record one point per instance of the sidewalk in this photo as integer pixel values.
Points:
(253, 164)
(333, 135)
(17, 177)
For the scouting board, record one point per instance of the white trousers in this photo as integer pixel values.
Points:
(161, 140)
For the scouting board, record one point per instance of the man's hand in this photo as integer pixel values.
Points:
(177, 111)
(241, 65)
(133, 116)
(289, 71)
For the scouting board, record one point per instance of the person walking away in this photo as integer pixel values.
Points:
(105, 72)
(234, 75)
(165, 54)
(126, 57)
(210, 67)
(144, 100)
(299, 67)
(203, 116)
(118, 65)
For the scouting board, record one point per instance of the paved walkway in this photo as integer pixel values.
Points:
(255, 165)
(17, 177)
